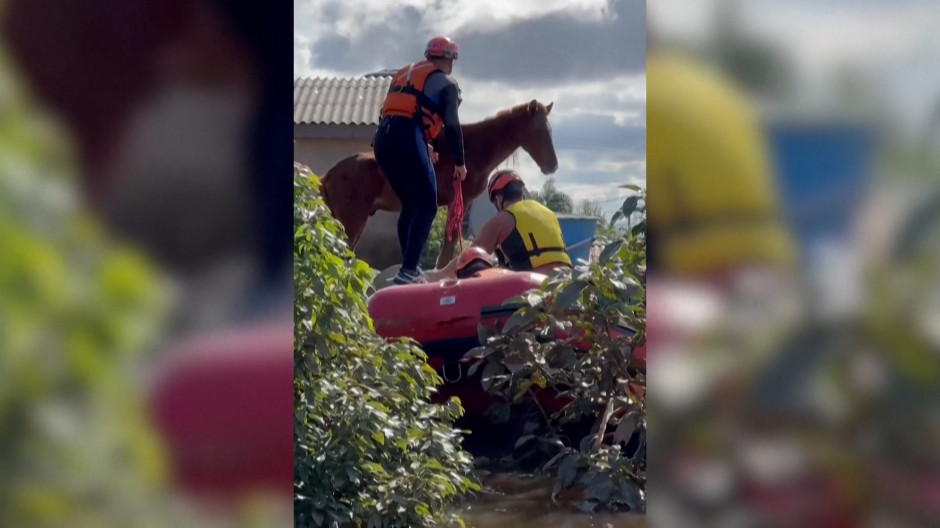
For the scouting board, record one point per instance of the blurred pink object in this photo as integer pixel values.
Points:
(224, 405)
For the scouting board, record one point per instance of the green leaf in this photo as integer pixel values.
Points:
(372, 467)
(554, 460)
(473, 368)
(587, 443)
(500, 413)
(625, 428)
(533, 299)
(523, 440)
(610, 250)
(617, 216)
(639, 228)
(485, 332)
(629, 206)
(479, 352)
(631, 495)
(379, 437)
(600, 489)
(519, 319)
(568, 470)
(570, 294)
(490, 371)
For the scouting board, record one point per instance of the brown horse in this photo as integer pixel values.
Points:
(354, 189)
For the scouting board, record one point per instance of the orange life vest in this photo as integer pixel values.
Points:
(406, 98)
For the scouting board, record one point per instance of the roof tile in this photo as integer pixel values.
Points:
(339, 101)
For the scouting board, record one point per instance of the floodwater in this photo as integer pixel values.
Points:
(520, 502)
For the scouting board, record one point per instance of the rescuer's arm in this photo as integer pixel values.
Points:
(447, 272)
(495, 231)
(492, 234)
(450, 99)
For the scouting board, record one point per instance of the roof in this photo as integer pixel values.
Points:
(389, 72)
(339, 101)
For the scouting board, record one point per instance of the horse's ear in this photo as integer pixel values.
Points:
(533, 106)
(548, 109)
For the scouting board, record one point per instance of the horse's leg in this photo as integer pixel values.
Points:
(355, 226)
(447, 252)
(353, 222)
(374, 195)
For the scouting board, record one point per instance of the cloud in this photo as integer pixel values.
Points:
(558, 48)
(569, 42)
(823, 35)
(302, 55)
(598, 132)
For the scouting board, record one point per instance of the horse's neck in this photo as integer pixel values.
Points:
(495, 140)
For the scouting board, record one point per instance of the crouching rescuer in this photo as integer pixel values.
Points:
(524, 234)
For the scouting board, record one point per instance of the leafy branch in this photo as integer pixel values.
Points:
(576, 339)
(370, 447)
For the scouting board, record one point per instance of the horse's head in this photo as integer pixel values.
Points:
(537, 139)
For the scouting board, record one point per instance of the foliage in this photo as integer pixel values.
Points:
(633, 206)
(605, 229)
(433, 247)
(577, 335)
(370, 448)
(589, 208)
(76, 311)
(551, 197)
(757, 64)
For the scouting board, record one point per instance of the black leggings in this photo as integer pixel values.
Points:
(402, 155)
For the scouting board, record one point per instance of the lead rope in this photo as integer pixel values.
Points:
(455, 216)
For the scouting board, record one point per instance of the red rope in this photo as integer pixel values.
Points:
(455, 216)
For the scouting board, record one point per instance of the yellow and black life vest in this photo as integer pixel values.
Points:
(406, 98)
(712, 200)
(536, 241)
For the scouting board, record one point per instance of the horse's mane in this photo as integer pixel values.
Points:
(518, 110)
(521, 108)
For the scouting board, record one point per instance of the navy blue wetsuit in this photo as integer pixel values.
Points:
(402, 154)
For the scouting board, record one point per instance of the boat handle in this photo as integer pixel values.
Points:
(456, 319)
(459, 373)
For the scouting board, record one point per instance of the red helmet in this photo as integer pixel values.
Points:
(441, 47)
(501, 179)
(471, 255)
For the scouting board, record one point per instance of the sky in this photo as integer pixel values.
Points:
(894, 43)
(586, 56)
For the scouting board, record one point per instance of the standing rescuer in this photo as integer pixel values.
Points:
(421, 103)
